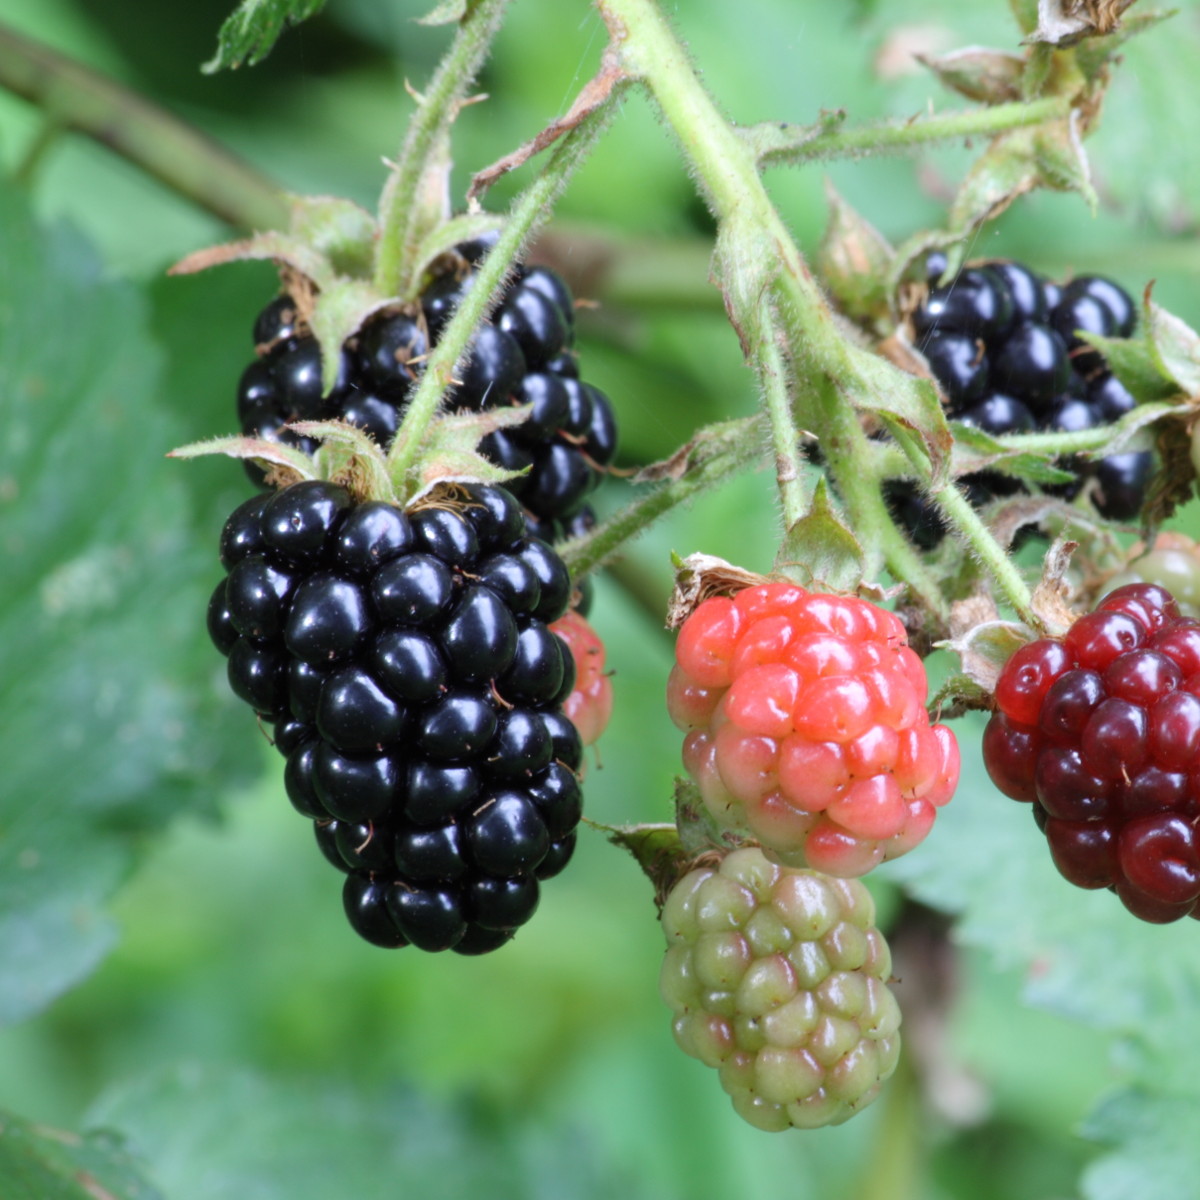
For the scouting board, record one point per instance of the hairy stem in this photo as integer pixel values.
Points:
(790, 145)
(726, 449)
(785, 436)
(178, 155)
(400, 213)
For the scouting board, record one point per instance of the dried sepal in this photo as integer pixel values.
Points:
(700, 576)
(1051, 601)
(982, 640)
(1064, 22)
(979, 73)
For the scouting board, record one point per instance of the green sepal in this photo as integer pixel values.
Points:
(350, 456)
(341, 230)
(985, 648)
(338, 312)
(444, 237)
(958, 694)
(266, 454)
(1174, 347)
(449, 454)
(977, 450)
(819, 551)
(854, 260)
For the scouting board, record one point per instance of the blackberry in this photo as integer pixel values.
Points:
(1005, 347)
(406, 663)
(522, 355)
(805, 726)
(777, 979)
(1100, 732)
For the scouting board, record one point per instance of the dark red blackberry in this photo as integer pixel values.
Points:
(1004, 346)
(1100, 731)
(405, 661)
(522, 355)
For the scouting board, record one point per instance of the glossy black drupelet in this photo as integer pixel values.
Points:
(522, 355)
(1005, 348)
(415, 689)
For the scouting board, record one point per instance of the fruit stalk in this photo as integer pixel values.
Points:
(399, 210)
(717, 452)
(530, 208)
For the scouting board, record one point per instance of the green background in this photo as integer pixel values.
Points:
(174, 964)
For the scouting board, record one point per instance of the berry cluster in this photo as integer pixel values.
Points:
(406, 663)
(521, 356)
(1004, 345)
(806, 726)
(1100, 730)
(778, 979)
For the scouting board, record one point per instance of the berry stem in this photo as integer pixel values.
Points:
(893, 1171)
(716, 452)
(175, 153)
(962, 517)
(966, 522)
(850, 458)
(797, 144)
(530, 208)
(401, 213)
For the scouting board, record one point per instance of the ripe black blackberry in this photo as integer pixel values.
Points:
(415, 689)
(1004, 346)
(522, 355)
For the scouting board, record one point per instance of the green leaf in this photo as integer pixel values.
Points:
(253, 28)
(37, 1163)
(111, 720)
(1134, 362)
(213, 1133)
(1175, 348)
(1142, 166)
(1159, 1156)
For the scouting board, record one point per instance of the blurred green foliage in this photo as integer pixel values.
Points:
(237, 1035)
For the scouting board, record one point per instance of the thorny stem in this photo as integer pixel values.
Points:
(172, 151)
(399, 210)
(756, 254)
(727, 449)
(531, 207)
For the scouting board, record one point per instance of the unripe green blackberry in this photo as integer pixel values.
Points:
(778, 979)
